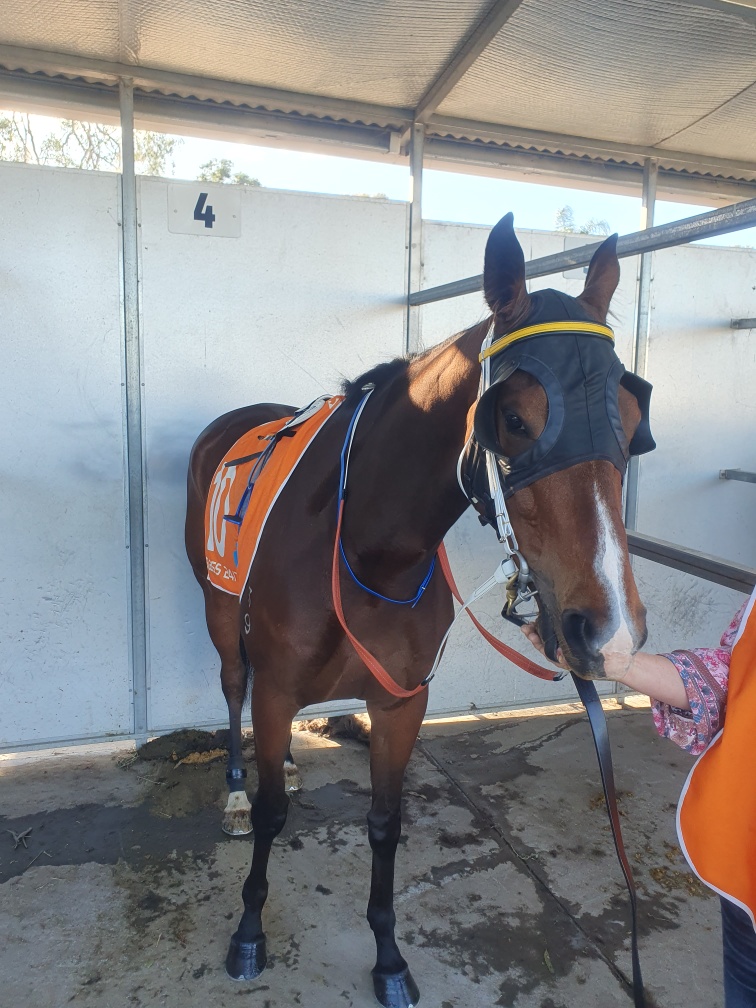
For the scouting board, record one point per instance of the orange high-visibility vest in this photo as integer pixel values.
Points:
(716, 816)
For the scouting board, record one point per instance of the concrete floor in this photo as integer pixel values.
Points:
(508, 891)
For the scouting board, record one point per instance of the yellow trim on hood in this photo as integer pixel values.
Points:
(546, 327)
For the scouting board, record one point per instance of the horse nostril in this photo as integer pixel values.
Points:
(579, 632)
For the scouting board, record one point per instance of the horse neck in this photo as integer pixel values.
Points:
(403, 495)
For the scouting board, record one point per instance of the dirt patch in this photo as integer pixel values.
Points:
(183, 789)
(106, 834)
(351, 726)
(598, 801)
(191, 745)
(685, 881)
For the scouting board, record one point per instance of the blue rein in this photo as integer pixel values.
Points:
(412, 602)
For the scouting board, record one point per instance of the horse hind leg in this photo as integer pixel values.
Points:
(235, 677)
(237, 814)
(292, 776)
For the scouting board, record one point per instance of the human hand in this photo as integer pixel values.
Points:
(531, 632)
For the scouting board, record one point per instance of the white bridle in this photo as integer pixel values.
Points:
(513, 570)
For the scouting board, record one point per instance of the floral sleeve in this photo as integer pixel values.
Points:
(704, 672)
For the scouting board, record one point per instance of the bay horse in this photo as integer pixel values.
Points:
(403, 498)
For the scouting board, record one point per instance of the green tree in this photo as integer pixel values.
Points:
(77, 144)
(219, 170)
(565, 222)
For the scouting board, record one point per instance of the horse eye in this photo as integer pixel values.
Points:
(513, 423)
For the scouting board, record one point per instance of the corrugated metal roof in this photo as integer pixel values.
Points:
(640, 77)
(633, 71)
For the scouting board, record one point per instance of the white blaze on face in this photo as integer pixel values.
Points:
(618, 651)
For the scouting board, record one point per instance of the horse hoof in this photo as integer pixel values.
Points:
(292, 780)
(396, 990)
(237, 814)
(237, 822)
(245, 960)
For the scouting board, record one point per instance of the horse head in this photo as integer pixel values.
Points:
(562, 416)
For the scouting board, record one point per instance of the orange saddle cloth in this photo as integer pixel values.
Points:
(245, 487)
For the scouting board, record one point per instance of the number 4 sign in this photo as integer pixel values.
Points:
(204, 209)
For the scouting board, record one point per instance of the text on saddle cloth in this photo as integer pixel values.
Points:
(245, 487)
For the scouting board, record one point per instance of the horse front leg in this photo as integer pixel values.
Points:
(392, 736)
(247, 954)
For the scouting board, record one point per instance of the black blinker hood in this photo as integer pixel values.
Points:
(581, 375)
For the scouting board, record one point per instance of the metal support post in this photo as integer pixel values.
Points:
(415, 258)
(133, 407)
(642, 323)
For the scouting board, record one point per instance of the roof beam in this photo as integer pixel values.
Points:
(516, 136)
(579, 173)
(192, 117)
(468, 51)
(187, 85)
(744, 9)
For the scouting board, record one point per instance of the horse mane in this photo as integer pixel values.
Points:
(379, 376)
(383, 374)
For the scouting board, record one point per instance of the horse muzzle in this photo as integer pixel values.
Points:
(592, 646)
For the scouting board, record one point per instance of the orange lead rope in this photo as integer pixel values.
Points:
(375, 666)
(514, 656)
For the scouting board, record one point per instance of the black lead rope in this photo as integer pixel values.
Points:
(597, 721)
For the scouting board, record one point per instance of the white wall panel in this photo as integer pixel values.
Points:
(704, 410)
(309, 293)
(63, 586)
(704, 419)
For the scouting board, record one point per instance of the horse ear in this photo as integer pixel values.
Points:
(603, 277)
(504, 268)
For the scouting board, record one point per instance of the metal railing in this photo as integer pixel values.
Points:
(738, 474)
(702, 565)
(707, 225)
